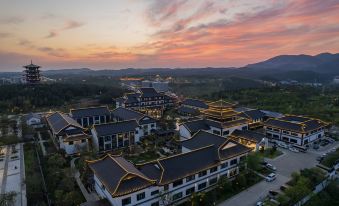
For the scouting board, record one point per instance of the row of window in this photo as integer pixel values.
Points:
(93, 120)
(72, 142)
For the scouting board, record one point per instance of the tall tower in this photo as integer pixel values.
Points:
(32, 73)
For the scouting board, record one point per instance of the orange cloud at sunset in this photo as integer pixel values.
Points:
(178, 33)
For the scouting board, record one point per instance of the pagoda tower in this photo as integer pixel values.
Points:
(32, 74)
(220, 111)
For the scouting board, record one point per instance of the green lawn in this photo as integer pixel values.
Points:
(270, 153)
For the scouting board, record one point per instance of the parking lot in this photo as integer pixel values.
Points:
(286, 164)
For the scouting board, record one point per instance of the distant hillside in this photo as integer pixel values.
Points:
(321, 63)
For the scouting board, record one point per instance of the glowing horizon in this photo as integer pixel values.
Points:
(160, 33)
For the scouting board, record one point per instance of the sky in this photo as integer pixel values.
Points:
(117, 34)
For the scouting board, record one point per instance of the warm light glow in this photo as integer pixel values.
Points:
(161, 33)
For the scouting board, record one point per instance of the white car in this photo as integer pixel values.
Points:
(271, 177)
(283, 145)
(259, 203)
(271, 167)
(293, 149)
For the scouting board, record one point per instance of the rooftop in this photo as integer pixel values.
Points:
(59, 121)
(116, 127)
(195, 103)
(89, 112)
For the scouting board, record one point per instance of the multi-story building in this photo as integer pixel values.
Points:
(110, 136)
(168, 180)
(295, 129)
(68, 133)
(32, 74)
(147, 100)
(254, 140)
(256, 118)
(220, 118)
(89, 116)
(147, 124)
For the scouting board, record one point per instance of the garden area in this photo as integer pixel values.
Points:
(8, 131)
(270, 153)
(328, 196)
(331, 159)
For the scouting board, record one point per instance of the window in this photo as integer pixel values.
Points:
(166, 187)
(152, 125)
(107, 138)
(244, 128)
(177, 196)
(83, 140)
(155, 204)
(294, 134)
(293, 140)
(233, 162)
(213, 169)
(202, 186)
(190, 191)
(141, 196)
(177, 183)
(216, 132)
(224, 165)
(202, 173)
(70, 143)
(126, 201)
(190, 178)
(226, 133)
(213, 181)
(154, 192)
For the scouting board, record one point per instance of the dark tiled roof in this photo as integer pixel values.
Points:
(221, 104)
(253, 114)
(33, 115)
(132, 98)
(126, 177)
(231, 148)
(147, 120)
(89, 112)
(116, 127)
(126, 114)
(296, 123)
(186, 164)
(120, 99)
(187, 110)
(149, 92)
(272, 114)
(196, 125)
(102, 202)
(195, 103)
(202, 139)
(58, 121)
(247, 134)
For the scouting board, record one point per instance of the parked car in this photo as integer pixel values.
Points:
(283, 145)
(320, 158)
(273, 193)
(264, 162)
(293, 149)
(283, 187)
(271, 177)
(271, 167)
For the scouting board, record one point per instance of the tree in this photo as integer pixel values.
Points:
(7, 199)
(253, 161)
(299, 190)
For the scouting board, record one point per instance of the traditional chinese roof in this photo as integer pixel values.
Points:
(195, 103)
(59, 121)
(148, 92)
(115, 127)
(76, 137)
(119, 176)
(253, 114)
(89, 112)
(202, 139)
(187, 110)
(231, 148)
(132, 98)
(296, 123)
(249, 135)
(128, 114)
(196, 125)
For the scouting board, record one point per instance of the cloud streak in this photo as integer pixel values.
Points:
(68, 25)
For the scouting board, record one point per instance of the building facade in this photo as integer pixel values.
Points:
(295, 129)
(89, 116)
(68, 133)
(167, 180)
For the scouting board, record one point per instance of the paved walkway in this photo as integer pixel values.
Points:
(88, 196)
(41, 142)
(12, 173)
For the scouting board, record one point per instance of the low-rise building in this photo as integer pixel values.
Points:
(68, 133)
(147, 124)
(89, 116)
(110, 136)
(34, 120)
(191, 107)
(295, 129)
(254, 140)
(168, 180)
(256, 118)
